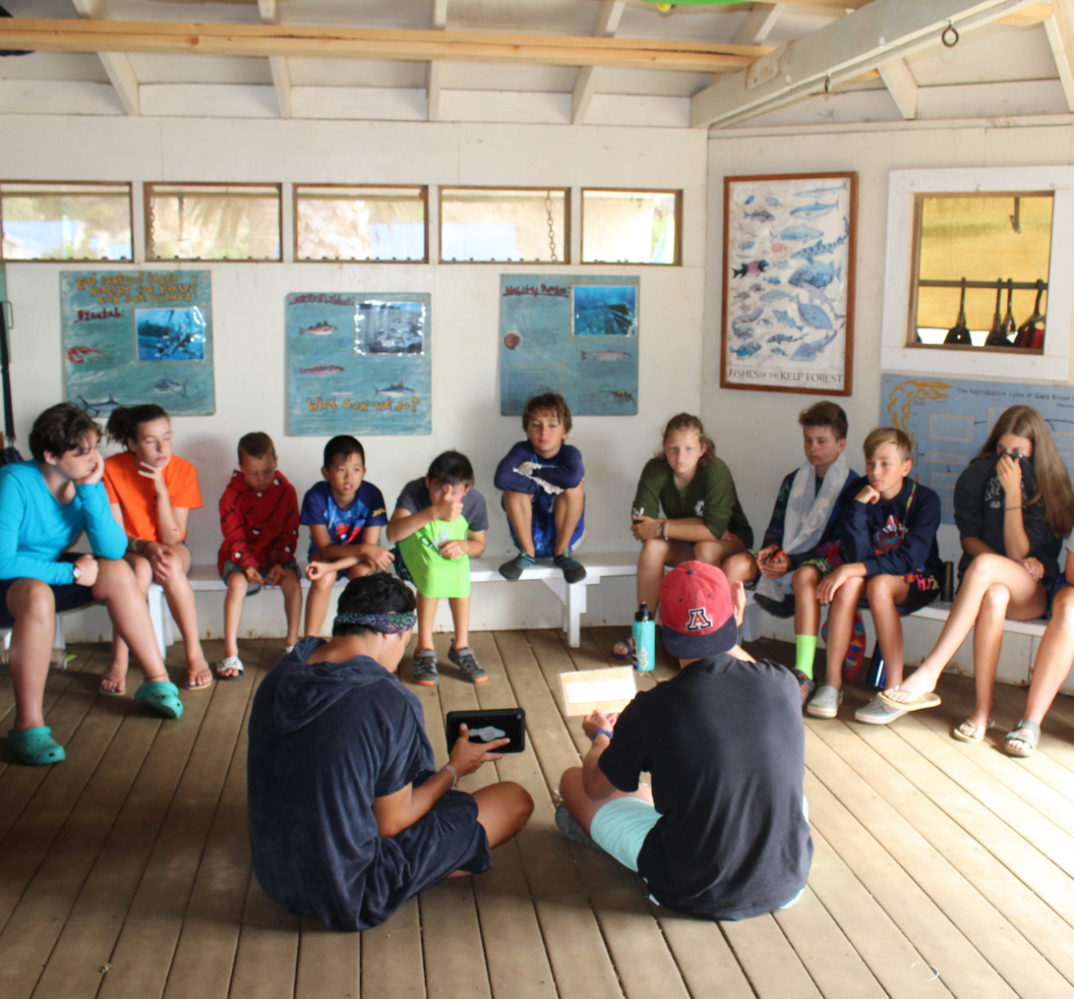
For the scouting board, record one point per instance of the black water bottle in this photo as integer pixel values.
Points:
(877, 674)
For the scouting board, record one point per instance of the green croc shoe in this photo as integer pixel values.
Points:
(162, 697)
(35, 746)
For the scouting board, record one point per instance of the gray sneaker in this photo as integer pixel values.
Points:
(468, 665)
(825, 702)
(571, 828)
(425, 672)
(876, 712)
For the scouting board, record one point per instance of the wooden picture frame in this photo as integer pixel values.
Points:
(788, 283)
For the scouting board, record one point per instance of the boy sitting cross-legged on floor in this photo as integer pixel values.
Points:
(888, 541)
(259, 521)
(345, 514)
(543, 494)
(440, 523)
(800, 544)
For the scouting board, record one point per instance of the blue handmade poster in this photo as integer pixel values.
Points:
(358, 363)
(133, 337)
(577, 336)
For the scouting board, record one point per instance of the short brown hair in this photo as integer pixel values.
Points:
(256, 445)
(825, 414)
(888, 435)
(550, 402)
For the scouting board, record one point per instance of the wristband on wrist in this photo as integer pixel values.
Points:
(600, 731)
(1019, 507)
(454, 774)
(664, 530)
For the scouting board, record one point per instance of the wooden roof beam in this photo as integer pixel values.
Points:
(116, 64)
(901, 85)
(281, 75)
(1060, 33)
(759, 23)
(874, 34)
(585, 84)
(262, 40)
(432, 77)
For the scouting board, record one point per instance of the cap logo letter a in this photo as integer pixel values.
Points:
(699, 620)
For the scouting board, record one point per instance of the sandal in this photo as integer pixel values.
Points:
(189, 682)
(1022, 739)
(806, 685)
(970, 731)
(623, 651)
(117, 691)
(229, 668)
(162, 696)
(35, 746)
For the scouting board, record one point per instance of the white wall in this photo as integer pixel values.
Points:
(248, 311)
(757, 432)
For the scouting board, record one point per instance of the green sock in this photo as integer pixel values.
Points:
(805, 648)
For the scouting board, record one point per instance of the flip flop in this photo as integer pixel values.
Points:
(1027, 733)
(910, 702)
(122, 689)
(187, 682)
(970, 731)
(162, 696)
(623, 657)
(35, 746)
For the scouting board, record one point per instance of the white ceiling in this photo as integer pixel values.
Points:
(824, 61)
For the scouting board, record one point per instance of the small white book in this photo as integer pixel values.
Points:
(604, 690)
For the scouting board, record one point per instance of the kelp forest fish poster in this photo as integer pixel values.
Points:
(133, 337)
(577, 336)
(358, 363)
(788, 283)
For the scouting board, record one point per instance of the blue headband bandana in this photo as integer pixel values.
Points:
(392, 623)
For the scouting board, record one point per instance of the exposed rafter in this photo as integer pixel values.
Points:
(1060, 32)
(877, 33)
(432, 81)
(281, 75)
(50, 35)
(759, 23)
(116, 64)
(901, 85)
(608, 18)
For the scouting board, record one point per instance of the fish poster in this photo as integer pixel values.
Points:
(788, 283)
(574, 335)
(949, 420)
(358, 363)
(132, 337)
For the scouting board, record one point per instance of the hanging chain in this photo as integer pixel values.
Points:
(551, 227)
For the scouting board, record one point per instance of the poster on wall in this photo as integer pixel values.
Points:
(949, 420)
(575, 335)
(133, 337)
(788, 283)
(358, 363)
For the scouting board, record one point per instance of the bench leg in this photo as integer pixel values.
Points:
(158, 614)
(573, 598)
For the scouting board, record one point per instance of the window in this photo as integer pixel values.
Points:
(631, 227)
(57, 220)
(212, 221)
(361, 223)
(503, 225)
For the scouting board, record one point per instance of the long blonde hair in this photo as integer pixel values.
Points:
(687, 421)
(1053, 482)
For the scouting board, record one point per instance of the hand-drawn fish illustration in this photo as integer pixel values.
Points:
(820, 248)
(621, 395)
(752, 317)
(606, 355)
(321, 369)
(784, 317)
(782, 338)
(97, 408)
(487, 733)
(778, 247)
(745, 349)
(816, 192)
(170, 385)
(760, 214)
(748, 245)
(773, 201)
(775, 294)
(818, 273)
(809, 350)
(801, 231)
(813, 211)
(78, 355)
(323, 328)
(397, 391)
(753, 267)
(773, 279)
(741, 329)
(814, 315)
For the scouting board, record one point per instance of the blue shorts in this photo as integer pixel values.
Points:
(543, 526)
(252, 588)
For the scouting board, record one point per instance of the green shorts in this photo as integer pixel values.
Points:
(619, 828)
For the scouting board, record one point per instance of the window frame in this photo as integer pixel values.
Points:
(565, 257)
(676, 262)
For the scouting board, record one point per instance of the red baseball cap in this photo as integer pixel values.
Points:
(697, 614)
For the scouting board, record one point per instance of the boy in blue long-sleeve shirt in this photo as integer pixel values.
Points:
(888, 540)
(543, 492)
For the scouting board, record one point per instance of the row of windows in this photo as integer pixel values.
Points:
(203, 222)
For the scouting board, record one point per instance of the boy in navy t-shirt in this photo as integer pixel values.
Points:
(345, 514)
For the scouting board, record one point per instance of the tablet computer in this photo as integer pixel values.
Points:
(489, 724)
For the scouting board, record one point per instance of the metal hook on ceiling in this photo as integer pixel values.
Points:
(828, 84)
(949, 35)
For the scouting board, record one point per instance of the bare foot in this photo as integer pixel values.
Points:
(198, 676)
(112, 682)
(921, 681)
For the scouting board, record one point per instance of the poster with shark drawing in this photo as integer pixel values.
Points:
(358, 363)
(132, 337)
(788, 283)
(575, 335)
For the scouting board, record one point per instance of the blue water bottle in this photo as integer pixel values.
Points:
(643, 631)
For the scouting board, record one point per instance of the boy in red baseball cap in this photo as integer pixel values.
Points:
(722, 831)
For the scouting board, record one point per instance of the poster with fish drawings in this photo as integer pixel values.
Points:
(572, 334)
(132, 337)
(788, 283)
(358, 363)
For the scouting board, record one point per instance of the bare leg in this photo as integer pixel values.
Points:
(840, 626)
(291, 587)
(184, 608)
(426, 617)
(33, 607)
(503, 809)
(519, 510)
(1054, 657)
(460, 616)
(806, 604)
(118, 589)
(886, 594)
(583, 807)
(714, 552)
(1027, 601)
(655, 554)
(317, 602)
(568, 511)
(237, 586)
(113, 679)
(741, 568)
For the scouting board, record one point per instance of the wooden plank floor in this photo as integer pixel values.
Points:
(941, 869)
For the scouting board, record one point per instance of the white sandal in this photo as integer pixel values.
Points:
(229, 664)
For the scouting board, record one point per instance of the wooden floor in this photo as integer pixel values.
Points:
(941, 869)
